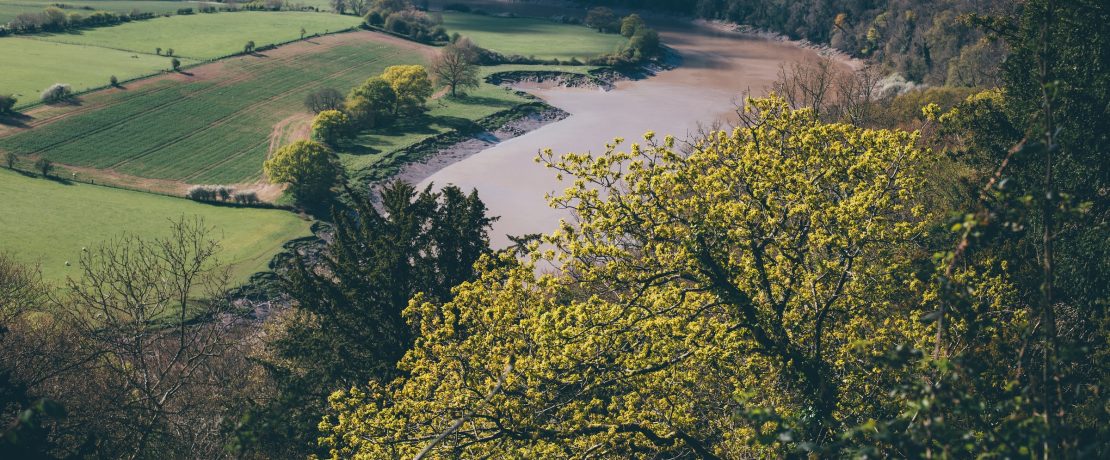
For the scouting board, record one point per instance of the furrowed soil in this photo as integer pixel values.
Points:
(210, 124)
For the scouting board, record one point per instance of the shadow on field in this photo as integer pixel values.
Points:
(60, 180)
(25, 173)
(481, 100)
(18, 120)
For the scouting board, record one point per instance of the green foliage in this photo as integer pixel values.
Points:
(308, 167)
(603, 19)
(44, 166)
(7, 104)
(372, 103)
(765, 262)
(924, 40)
(631, 24)
(346, 326)
(330, 127)
(411, 85)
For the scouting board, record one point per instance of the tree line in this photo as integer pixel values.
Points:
(933, 42)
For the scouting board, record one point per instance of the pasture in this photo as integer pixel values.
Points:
(41, 64)
(213, 126)
(9, 9)
(207, 36)
(47, 222)
(540, 38)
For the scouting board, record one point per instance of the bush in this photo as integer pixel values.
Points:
(210, 193)
(44, 166)
(397, 25)
(374, 18)
(57, 92)
(245, 197)
(7, 103)
(184, 11)
(176, 63)
(113, 81)
(10, 159)
(331, 126)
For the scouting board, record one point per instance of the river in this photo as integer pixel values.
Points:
(717, 69)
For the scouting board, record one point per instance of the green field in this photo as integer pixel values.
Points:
(207, 36)
(532, 37)
(41, 64)
(212, 130)
(86, 58)
(46, 222)
(9, 9)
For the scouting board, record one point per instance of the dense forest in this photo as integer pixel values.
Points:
(925, 41)
(843, 275)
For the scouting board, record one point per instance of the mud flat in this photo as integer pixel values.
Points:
(718, 68)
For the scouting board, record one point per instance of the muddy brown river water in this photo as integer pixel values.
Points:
(717, 69)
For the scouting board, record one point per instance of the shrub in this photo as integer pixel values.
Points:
(169, 51)
(249, 47)
(113, 81)
(185, 11)
(10, 159)
(210, 193)
(7, 103)
(57, 92)
(374, 18)
(158, 51)
(44, 166)
(176, 63)
(331, 126)
(200, 193)
(248, 197)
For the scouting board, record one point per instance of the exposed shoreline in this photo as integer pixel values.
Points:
(416, 171)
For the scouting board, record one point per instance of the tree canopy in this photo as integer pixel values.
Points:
(307, 166)
(754, 270)
(411, 85)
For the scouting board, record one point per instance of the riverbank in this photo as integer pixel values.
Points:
(718, 69)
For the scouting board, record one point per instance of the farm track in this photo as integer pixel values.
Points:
(224, 119)
(244, 75)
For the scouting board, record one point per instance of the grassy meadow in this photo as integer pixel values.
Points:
(207, 36)
(540, 38)
(47, 222)
(41, 64)
(444, 114)
(207, 130)
(9, 9)
(85, 59)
